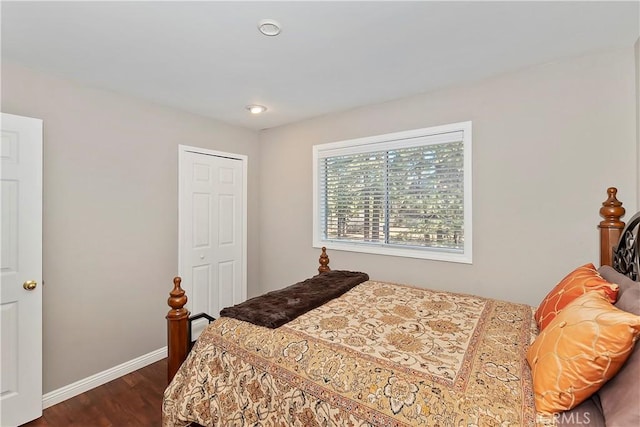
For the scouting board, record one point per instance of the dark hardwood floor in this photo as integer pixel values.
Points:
(132, 400)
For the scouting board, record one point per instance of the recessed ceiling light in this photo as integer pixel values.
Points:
(256, 109)
(269, 27)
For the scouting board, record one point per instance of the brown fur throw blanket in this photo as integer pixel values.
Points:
(276, 308)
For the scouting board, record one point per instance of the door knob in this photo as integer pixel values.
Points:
(30, 285)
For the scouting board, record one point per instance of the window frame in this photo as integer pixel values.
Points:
(375, 143)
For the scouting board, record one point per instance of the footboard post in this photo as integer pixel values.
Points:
(177, 329)
(324, 261)
(611, 227)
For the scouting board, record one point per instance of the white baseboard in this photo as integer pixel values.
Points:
(67, 392)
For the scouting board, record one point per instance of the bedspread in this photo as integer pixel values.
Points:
(382, 354)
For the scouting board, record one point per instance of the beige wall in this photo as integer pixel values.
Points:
(110, 217)
(547, 142)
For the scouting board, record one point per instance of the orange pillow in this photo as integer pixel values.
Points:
(576, 283)
(582, 348)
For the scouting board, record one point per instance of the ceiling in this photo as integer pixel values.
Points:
(209, 58)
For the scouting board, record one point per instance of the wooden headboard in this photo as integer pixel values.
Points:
(619, 244)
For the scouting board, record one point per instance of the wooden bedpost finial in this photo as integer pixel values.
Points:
(611, 227)
(324, 261)
(177, 299)
(612, 210)
(177, 329)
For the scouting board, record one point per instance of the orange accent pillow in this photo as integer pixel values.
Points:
(576, 283)
(584, 346)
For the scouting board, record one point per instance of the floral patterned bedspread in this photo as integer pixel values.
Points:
(380, 355)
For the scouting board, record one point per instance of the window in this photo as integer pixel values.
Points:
(403, 194)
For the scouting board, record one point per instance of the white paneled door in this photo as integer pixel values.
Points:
(21, 274)
(212, 230)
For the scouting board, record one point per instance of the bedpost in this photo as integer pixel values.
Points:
(177, 324)
(324, 261)
(611, 227)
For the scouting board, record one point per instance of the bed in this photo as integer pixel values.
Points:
(375, 353)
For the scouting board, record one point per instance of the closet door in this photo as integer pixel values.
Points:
(212, 219)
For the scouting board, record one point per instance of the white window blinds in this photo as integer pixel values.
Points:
(405, 192)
